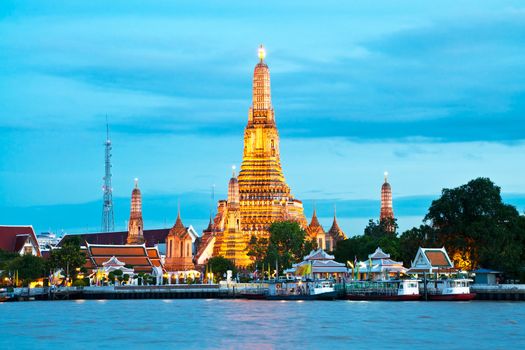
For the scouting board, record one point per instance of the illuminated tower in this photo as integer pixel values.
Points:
(264, 195)
(136, 225)
(108, 220)
(387, 212)
(231, 242)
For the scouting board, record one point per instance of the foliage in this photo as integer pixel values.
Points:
(69, 257)
(286, 245)
(29, 267)
(219, 265)
(6, 257)
(411, 240)
(376, 234)
(379, 229)
(477, 228)
(79, 283)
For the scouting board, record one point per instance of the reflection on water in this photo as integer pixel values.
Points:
(243, 324)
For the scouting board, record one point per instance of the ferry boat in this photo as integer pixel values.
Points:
(387, 290)
(450, 289)
(316, 290)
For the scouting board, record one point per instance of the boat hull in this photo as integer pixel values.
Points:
(383, 297)
(451, 297)
(323, 296)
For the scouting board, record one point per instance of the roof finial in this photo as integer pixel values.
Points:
(262, 52)
(233, 170)
(386, 176)
(136, 182)
(335, 211)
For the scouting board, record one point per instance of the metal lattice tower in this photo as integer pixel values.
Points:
(108, 220)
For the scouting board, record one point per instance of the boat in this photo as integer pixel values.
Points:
(5, 295)
(450, 289)
(386, 290)
(299, 290)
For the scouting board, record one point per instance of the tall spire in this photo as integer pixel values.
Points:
(262, 99)
(136, 224)
(387, 211)
(108, 220)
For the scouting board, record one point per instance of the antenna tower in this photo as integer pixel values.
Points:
(108, 220)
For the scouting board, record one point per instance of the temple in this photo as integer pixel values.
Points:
(136, 225)
(325, 240)
(259, 196)
(179, 248)
(387, 212)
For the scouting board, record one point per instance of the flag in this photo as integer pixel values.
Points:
(349, 263)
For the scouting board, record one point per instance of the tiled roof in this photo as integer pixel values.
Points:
(151, 237)
(13, 238)
(437, 258)
(379, 254)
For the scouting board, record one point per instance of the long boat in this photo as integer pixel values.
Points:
(385, 290)
(450, 289)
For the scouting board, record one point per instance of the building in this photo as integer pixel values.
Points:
(231, 242)
(135, 225)
(325, 240)
(431, 260)
(379, 266)
(263, 195)
(387, 211)
(316, 232)
(19, 239)
(47, 241)
(179, 247)
(318, 265)
(131, 258)
(152, 238)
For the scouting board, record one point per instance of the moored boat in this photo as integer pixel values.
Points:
(450, 289)
(317, 290)
(387, 290)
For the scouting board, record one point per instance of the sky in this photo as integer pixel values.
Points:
(435, 95)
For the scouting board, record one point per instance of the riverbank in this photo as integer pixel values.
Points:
(212, 291)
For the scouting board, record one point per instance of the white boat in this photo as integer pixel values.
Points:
(450, 289)
(388, 290)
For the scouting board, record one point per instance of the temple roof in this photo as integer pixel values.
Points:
(141, 258)
(379, 254)
(151, 237)
(13, 238)
(314, 223)
(179, 229)
(319, 254)
(335, 231)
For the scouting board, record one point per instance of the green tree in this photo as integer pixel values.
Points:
(287, 244)
(376, 234)
(6, 257)
(219, 265)
(477, 228)
(29, 268)
(69, 257)
(411, 240)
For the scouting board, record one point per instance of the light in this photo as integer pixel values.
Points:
(386, 173)
(262, 53)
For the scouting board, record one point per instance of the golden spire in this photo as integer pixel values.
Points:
(262, 53)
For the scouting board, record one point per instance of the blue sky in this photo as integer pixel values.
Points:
(433, 94)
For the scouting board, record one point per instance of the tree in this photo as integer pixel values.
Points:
(6, 257)
(287, 244)
(477, 228)
(28, 267)
(378, 229)
(411, 240)
(219, 265)
(69, 257)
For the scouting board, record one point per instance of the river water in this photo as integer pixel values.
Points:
(243, 324)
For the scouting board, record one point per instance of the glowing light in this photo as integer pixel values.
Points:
(262, 53)
(386, 173)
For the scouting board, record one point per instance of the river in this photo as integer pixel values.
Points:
(242, 324)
